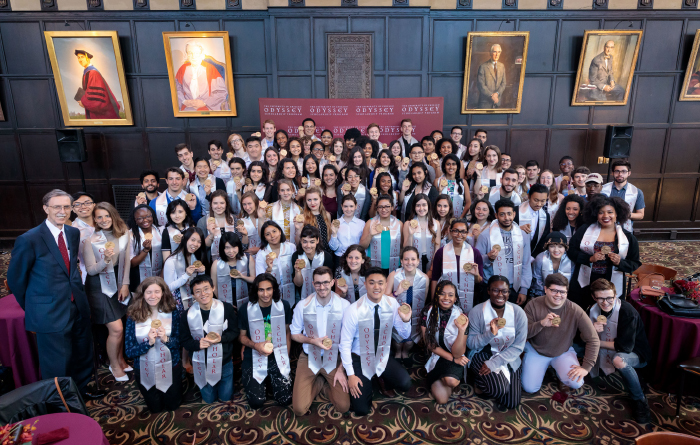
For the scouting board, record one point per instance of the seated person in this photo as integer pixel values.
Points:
(552, 322)
(362, 360)
(209, 328)
(444, 330)
(316, 324)
(497, 333)
(623, 342)
(264, 326)
(552, 260)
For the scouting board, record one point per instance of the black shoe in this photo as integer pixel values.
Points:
(640, 411)
(93, 395)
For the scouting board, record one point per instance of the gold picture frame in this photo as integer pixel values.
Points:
(691, 83)
(602, 84)
(486, 89)
(92, 90)
(213, 94)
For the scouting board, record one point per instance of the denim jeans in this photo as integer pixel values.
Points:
(630, 375)
(222, 390)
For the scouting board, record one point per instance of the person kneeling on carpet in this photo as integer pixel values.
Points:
(497, 335)
(552, 324)
(212, 328)
(623, 342)
(445, 337)
(365, 354)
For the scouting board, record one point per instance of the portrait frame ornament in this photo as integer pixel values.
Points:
(690, 90)
(477, 69)
(216, 71)
(594, 93)
(103, 102)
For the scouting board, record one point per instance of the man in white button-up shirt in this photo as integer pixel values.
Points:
(317, 319)
(359, 359)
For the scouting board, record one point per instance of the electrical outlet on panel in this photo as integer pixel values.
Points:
(601, 160)
(607, 160)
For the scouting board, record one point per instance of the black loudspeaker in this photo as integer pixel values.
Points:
(618, 141)
(71, 144)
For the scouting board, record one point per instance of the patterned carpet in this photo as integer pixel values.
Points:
(598, 413)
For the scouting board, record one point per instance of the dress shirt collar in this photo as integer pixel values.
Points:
(55, 231)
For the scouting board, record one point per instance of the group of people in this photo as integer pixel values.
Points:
(344, 253)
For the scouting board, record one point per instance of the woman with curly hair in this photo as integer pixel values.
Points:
(445, 330)
(569, 216)
(602, 248)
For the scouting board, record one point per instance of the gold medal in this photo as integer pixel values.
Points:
(347, 187)
(476, 226)
(268, 347)
(397, 159)
(177, 238)
(461, 320)
(405, 309)
(272, 255)
(301, 128)
(479, 166)
(373, 191)
(341, 281)
(216, 163)
(248, 181)
(497, 247)
(229, 156)
(212, 336)
(317, 182)
(331, 158)
(197, 264)
(406, 182)
(484, 189)
(414, 224)
(234, 273)
(565, 178)
(141, 195)
(207, 183)
(500, 322)
(327, 342)
(405, 284)
(336, 223)
(300, 263)
(605, 250)
(406, 160)
(240, 223)
(556, 321)
(384, 146)
(468, 267)
(283, 153)
(299, 218)
(602, 319)
(263, 204)
(304, 180)
(190, 197)
(373, 162)
(211, 219)
(256, 134)
(155, 324)
(147, 236)
(109, 245)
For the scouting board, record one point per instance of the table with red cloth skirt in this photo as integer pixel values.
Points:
(82, 430)
(672, 340)
(17, 346)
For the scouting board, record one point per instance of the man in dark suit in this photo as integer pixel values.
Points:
(600, 74)
(45, 278)
(491, 80)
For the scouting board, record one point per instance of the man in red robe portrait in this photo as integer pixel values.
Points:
(95, 95)
(201, 81)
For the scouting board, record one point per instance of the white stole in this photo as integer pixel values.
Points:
(375, 244)
(350, 296)
(109, 282)
(217, 239)
(152, 264)
(527, 216)
(162, 205)
(156, 365)
(500, 264)
(506, 334)
(419, 285)
(457, 199)
(207, 363)
(565, 265)
(307, 288)
(450, 336)
(86, 232)
(423, 239)
(283, 270)
(360, 196)
(224, 280)
(452, 271)
(180, 270)
(252, 229)
(374, 357)
(588, 245)
(278, 217)
(495, 196)
(278, 332)
(320, 358)
(605, 356)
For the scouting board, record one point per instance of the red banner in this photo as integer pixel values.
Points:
(337, 115)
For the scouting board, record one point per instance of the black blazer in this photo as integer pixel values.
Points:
(38, 278)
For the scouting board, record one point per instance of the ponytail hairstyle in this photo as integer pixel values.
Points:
(432, 325)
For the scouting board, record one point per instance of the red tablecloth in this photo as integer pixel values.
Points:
(672, 339)
(17, 346)
(82, 430)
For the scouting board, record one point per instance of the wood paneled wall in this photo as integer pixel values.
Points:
(417, 52)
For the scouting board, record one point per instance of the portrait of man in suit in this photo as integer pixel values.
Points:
(602, 75)
(494, 72)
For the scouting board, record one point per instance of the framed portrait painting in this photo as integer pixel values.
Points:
(200, 72)
(494, 72)
(89, 75)
(691, 83)
(606, 67)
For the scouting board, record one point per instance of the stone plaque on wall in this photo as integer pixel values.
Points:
(349, 66)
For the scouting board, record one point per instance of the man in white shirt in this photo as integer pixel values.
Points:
(365, 357)
(309, 128)
(621, 188)
(253, 150)
(456, 135)
(533, 219)
(186, 158)
(406, 139)
(269, 130)
(316, 324)
(509, 181)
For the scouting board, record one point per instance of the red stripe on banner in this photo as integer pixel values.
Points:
(337, 115)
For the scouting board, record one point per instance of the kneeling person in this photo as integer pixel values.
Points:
(623, 342)
(375, 315)
(316, 325)
(212, 328)
(497, 335)
(264, 325)
(552, 322)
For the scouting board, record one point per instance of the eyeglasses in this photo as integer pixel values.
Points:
(59, 208)
(608, 300)
(322, 283)
(309, 126)
(78, 205)
(417, 152)
(460, 232)
(620, 171)
(557, 291)
(352, 177)
(383, 207)
(499, 291)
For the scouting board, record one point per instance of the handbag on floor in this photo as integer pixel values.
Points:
(679, 305)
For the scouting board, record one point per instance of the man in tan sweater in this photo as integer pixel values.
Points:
(552, 324)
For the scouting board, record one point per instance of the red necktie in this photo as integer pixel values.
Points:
(64, 254)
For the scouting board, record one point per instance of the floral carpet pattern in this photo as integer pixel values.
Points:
(598, 413)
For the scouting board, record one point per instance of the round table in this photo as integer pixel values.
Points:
(17, 346)
(82, 429)
(672, 339)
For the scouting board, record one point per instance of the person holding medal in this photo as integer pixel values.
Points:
(421, 231)
(153, 341)
(264, 332)
(315, 215)
(506, 251)
(175, 179)
(308, 257)
(443, 212)
(460, 264)
(235, 186)
(205, 184)
(107, 285)
(418, 183)
(150, 179)
(209, 329)
(534, 220)
(552, 324)
(346, 230)
(179, 219)
(275, 258)
(623, 342)
(186, 262)
(286, 171)
(353, 186)
(316, 324)
(252, 217)
(145, 246)
(408, 285)
(602, 248)
(497, 335)
(382, 234)
(385, 163)
(451, 185)
(219, 221)
(366, 355)
(552, 260)
(272, 158)
(257, 178)
(444, 330)
(232, 272)
(482, 215)
(384, 187)
(218, 166)
(351, 272)
(488, 175)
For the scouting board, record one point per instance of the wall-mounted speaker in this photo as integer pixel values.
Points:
(71, 144)
(618, 141)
